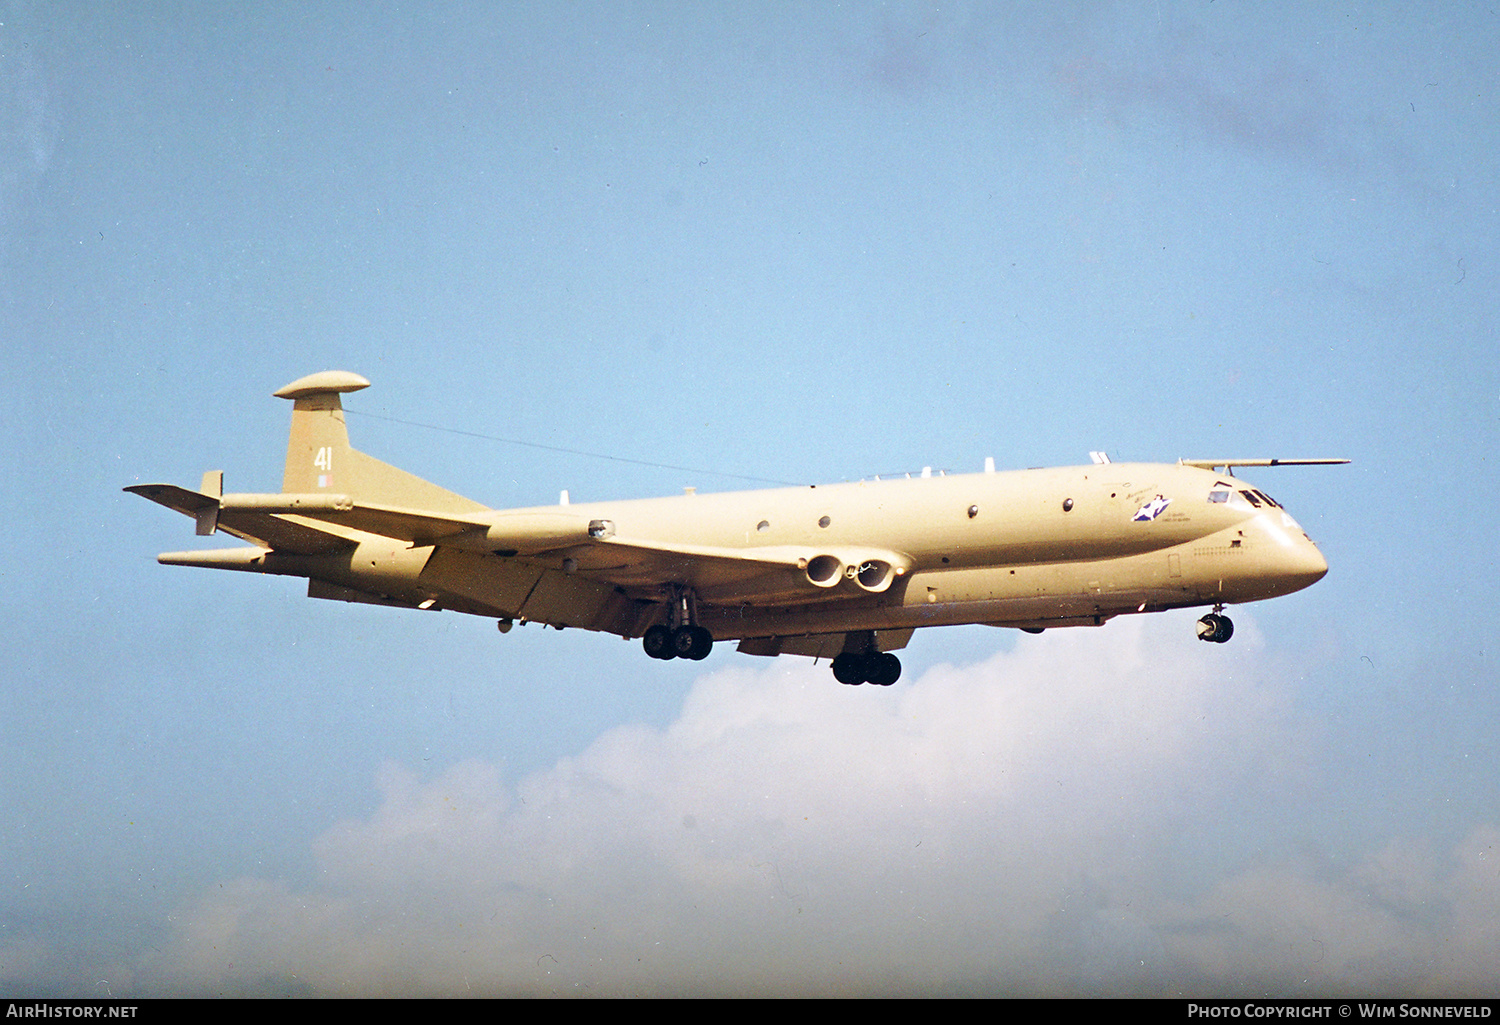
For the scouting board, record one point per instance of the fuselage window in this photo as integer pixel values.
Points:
(1250, 497)
(1218, 497)
(1269, 500)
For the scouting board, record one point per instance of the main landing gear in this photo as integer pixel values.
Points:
(692, 642)
(684, 639)
(878, 667)
(1215, 627)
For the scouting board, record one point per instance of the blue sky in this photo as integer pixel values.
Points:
(801, 243)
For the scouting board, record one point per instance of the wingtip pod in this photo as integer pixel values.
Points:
(322, 383)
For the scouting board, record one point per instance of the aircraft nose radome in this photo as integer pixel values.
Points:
(1293, 561)
(1304, 565)
(1317, 566)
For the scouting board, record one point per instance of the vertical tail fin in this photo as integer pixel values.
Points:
(319, 457)
(317, 453)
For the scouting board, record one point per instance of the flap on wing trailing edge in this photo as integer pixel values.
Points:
(323, 589)
(821, 645)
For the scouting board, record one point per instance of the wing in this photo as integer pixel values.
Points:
(589, 548)
(315, 524)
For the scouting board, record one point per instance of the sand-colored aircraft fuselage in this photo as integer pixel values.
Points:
(843, 571)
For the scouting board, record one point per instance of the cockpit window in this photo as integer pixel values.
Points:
(1247, 499)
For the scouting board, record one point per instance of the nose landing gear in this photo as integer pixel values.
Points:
(1215, 627)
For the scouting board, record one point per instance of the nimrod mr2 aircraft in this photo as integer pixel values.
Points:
(844, 572)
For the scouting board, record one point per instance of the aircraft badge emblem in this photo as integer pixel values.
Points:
(1151, 510)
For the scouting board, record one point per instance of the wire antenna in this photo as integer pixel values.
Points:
(572, 451)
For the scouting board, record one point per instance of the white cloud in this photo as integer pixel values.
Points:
(999, 827)
(1401, 921)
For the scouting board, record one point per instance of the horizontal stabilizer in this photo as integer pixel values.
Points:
(189, 503)
(244, 517)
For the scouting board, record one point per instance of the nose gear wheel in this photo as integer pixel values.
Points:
(1215, 628)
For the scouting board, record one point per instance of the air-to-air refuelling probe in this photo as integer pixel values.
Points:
(845, 572)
